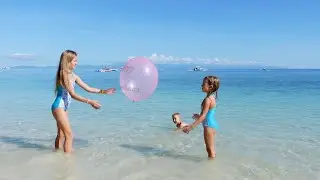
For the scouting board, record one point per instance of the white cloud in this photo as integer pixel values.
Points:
(167, 59)
(22, 56)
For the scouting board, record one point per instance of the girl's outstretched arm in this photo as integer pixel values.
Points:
(203, 113)
(201, 117)
(74, 95)
(86, 87)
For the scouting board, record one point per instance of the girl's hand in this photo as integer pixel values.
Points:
(109, 91)
(187, 129)
(195, 116)
(95, 104)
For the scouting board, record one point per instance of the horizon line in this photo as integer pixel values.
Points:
(224, 66)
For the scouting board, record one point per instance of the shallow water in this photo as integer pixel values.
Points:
(269, 123)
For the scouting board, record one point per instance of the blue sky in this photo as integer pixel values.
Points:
(285, 33)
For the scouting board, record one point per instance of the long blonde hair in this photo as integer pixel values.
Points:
(63, 72)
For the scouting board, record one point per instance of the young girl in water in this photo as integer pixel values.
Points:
(210, 85)
(64, 89)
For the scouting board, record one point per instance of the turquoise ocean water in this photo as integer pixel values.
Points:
(269, 127)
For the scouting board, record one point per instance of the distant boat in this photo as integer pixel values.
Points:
(4, 68)
(106, 69)
(198, 68)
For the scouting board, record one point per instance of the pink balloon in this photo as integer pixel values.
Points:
(138, 78)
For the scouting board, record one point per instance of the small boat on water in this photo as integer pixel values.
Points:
(4, 68)
(198, 68)
(106, 69)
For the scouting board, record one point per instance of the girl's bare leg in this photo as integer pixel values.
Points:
(59, 139)
(63, 124)
(209, 134)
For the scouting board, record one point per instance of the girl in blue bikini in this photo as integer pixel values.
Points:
(65, 81)
(210, 85)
